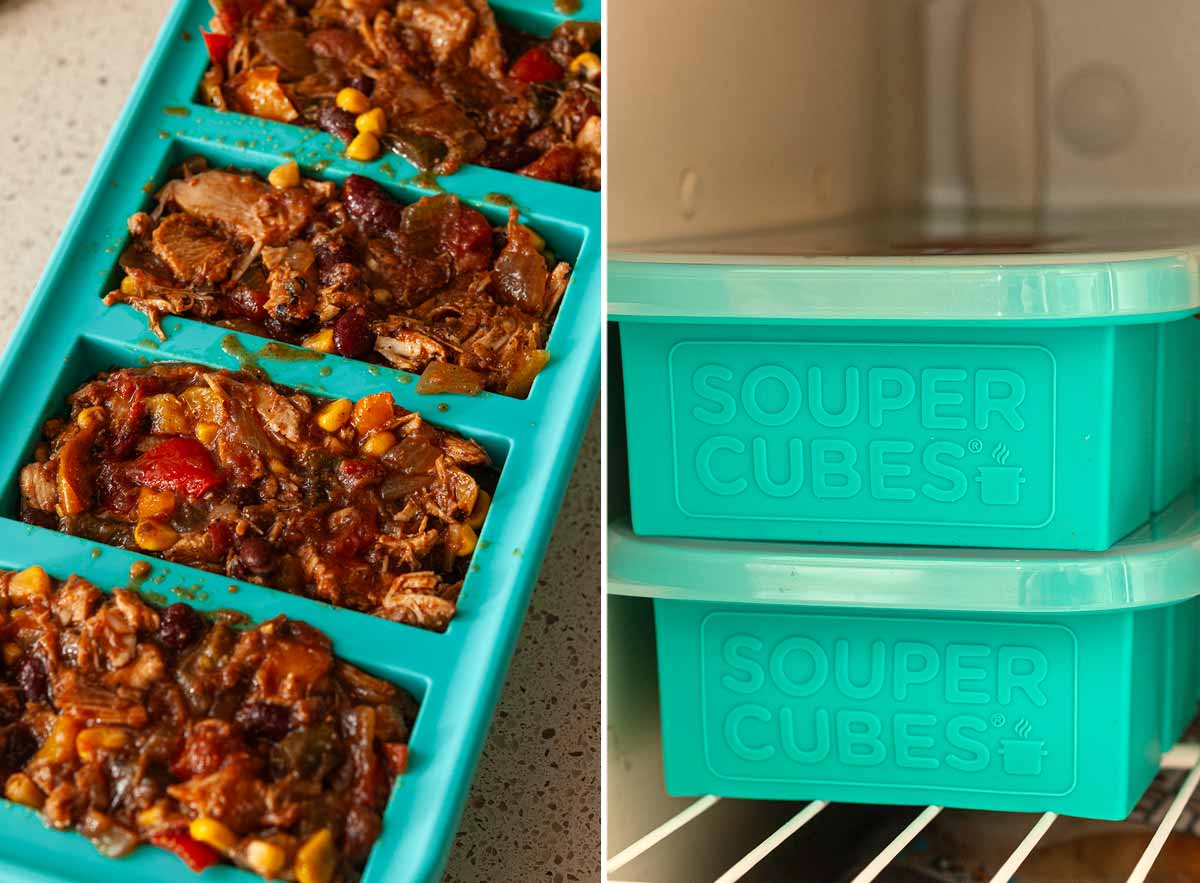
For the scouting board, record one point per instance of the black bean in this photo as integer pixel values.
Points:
(257, 554)
(352, 335)
(277, 327)
(508, 156)
(31, 677)
(17, 745)
(332, 249)
(266, 720)
(179, 626)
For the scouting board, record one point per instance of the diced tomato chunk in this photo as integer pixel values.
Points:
(196, 855)
(536, 66)
(218, 46)
(230, 13)
(471, 239)
(221, 535)
(358, 532)
(181, 465)
(397, 757)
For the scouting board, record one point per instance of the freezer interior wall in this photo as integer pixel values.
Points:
(726, 122)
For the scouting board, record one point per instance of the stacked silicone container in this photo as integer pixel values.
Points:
(1026, 404)
(67, 335)
(1040, 681)
(1000, 424)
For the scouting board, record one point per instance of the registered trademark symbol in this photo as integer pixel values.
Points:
(998, 720)
(974, 446)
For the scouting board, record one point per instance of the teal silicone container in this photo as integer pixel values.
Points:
(66, 335)
(1026, 402)
(1036, 681)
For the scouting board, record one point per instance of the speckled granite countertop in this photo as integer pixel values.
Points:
(533, 813)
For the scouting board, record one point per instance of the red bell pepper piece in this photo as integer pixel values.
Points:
(218, 45)
(192, 852)
(182, 465)
(536, 66)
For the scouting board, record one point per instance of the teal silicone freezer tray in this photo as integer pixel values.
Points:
(1025, 402)
(1037, 681)
(67, 334)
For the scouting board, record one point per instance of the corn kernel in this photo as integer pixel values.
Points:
(372, 122)
(373, 411)
(151, 817)
(20, 789)
(286, 176)
(265, 859)
(154, 504)
(364, 147)
(335, 415)
(89, 741)
(213, 833)
(154, 536)
(316, 859)
(353, 101)
(167, 414)
(203, 403)
(90, 417)
(128, 286)
(59, 746)
(378, 443)
(483, 502)
(28, 585)
(586, 62)
(322, 341)
(382, 296)
(206, 432)
(277, 466)
(466, 540)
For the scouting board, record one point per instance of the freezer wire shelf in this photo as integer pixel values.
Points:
(1184, 756)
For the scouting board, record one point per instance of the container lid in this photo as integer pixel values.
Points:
(1157, 564)
(1117, 267)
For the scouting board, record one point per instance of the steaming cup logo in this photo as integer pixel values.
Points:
(1022, 756)
(1000, 484)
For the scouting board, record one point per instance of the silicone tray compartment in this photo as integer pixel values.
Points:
(66, 335)
(847, 674)
(1023, 406)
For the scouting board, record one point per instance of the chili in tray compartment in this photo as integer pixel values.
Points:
(360, 504)
(439, 82)
(426, 287)
(134, 724)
